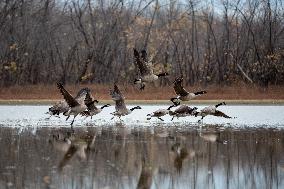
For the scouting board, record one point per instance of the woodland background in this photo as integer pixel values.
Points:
(218, 42)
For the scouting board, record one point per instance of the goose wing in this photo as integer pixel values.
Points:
(67, 96)
(120, 105)
(59, 107)
(221, 114)
(89, 101)
(144, 67)
(178, 87)
(81, 95)
(209, 110)
(119, 99)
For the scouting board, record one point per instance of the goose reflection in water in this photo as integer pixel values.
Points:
(73, 146)
(123, 157)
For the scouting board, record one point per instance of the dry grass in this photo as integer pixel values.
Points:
(243, 92)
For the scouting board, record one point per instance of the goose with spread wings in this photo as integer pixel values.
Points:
(92, 109)
(212, 110)
(145, 68)
(62, 106)
(183, 95)
(120, 107)
(76, 106)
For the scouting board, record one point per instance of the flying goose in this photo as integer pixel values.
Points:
(91, 107)
(146, 70)
(120, 108)
(159, 113)
(211, 110)
(183, 95)
(183, 111)
(77, 105)
(62, 106)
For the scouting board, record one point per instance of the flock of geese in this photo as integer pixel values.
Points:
(84, 103)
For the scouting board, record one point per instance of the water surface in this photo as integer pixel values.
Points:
(157, 157)
(245, 152)
(244, 116)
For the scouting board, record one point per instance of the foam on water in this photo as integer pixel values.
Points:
(245, 116)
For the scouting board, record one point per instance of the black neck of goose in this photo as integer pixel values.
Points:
(222, 103)
(136, 107)
(169, 108)
(104, 106)
(90, 103)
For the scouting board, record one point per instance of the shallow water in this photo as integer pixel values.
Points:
(245, 152)
(152, 157)
(244, 116)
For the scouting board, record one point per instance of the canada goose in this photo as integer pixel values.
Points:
(146, 70)
(183, 111)
(159, 113)
(76, 105)
(120, 108)
(62, 106)
(183, 95)
(211, 110)
(92, 109)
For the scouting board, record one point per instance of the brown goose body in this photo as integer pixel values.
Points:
(212, 110)
(145, 68)
(120, 107)
(77, 106)
(182, 94)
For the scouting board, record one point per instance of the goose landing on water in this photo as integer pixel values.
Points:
(183, 95)
(77, 106)
(146, 69)
(159, 113)
(211, 110)
(92, 109)
(63, 107)
(183, 111)
(120, 107)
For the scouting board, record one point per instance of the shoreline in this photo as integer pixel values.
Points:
(149, 102)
